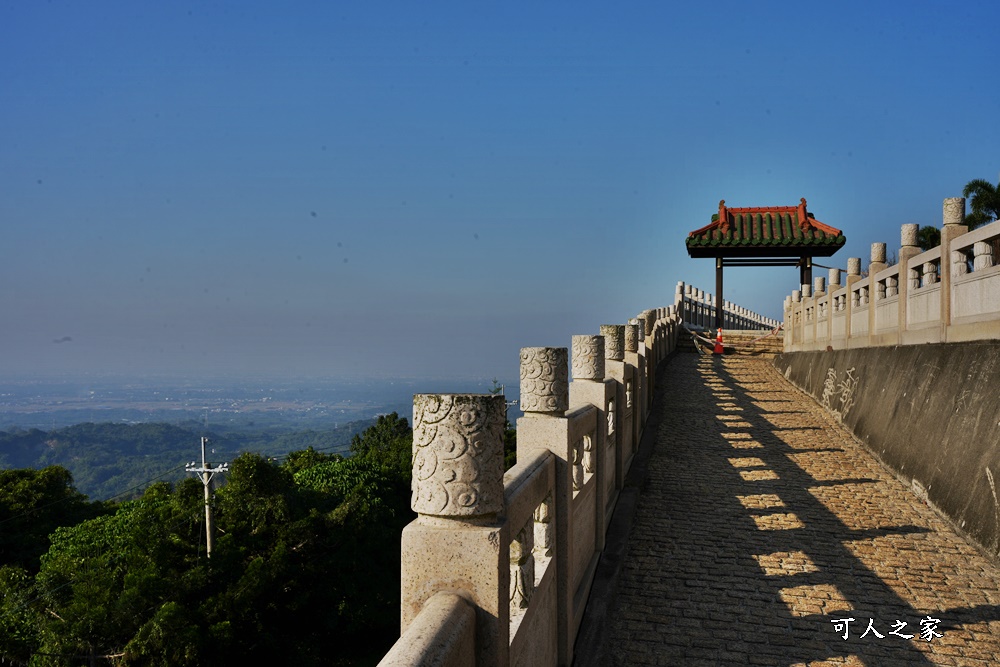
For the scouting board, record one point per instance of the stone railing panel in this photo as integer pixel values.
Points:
(529, 489)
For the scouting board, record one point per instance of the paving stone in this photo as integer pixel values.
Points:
(763, 523)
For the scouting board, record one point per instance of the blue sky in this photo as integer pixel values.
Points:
(410, 189)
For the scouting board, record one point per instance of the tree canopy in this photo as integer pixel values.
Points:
(305, 568)
(984, 202)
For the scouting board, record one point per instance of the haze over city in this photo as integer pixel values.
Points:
(401, 189)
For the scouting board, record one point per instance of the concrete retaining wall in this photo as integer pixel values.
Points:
(930, 412)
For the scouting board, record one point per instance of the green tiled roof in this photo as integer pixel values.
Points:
(780, 230)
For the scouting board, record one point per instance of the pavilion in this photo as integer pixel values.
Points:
(763, 236)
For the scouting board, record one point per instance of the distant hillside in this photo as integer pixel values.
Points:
(109, 460)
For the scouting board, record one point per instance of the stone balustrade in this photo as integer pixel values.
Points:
(497, 566)
(917, 300)
(697, 310)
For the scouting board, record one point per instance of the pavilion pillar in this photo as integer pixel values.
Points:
(806, 271)
(719, 303)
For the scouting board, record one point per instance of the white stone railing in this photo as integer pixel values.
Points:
(922, 299)
(518, 550)
(697, 309)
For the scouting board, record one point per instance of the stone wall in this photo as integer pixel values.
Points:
(931, 413)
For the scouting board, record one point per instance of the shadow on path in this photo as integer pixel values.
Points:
(763, 525)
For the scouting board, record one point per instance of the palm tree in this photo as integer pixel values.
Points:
(928, 237)
(985, 202)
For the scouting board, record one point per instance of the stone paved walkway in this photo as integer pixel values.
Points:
(763, 522)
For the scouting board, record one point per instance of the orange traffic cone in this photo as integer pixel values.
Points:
(718, 342)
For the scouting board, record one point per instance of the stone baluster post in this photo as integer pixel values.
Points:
(819, 286)
(544, 427)
(875, 293)
(953, 213)
(679, 296)
(853, 276)
(833, 281)
(623, 373)
(642, 372)
(819, 291)
(808, 315)
(589, 387)
(458, 496)
(797, 328)
(648, 343)
(908, 250)
(786, 313)
(634, 356)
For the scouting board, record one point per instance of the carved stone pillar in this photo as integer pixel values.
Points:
(545, 428)
(954, 211)
(544, 380)
(834, 279)
(458, 496)
(631, 338)
(878, 254)
(623, 374)
(589, 387)
(614, 341)
(457, 465)
(876, 290)
(588, 357)
(953, 218)
(909, 276)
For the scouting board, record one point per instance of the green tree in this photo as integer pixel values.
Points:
(304, 459)
(102, 581)
(388, 444)
(305, 569)
(33, 503)
(18, 629)
(985, 202)
(928, 237)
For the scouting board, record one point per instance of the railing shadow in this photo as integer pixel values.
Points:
(749, 549)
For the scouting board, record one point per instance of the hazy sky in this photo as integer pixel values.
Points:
(414, 188)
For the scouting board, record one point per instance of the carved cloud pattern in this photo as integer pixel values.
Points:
(457, 454)
(544, 379)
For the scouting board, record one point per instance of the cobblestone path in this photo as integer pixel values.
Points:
(763, 524)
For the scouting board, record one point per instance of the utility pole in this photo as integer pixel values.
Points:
(207, 474)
